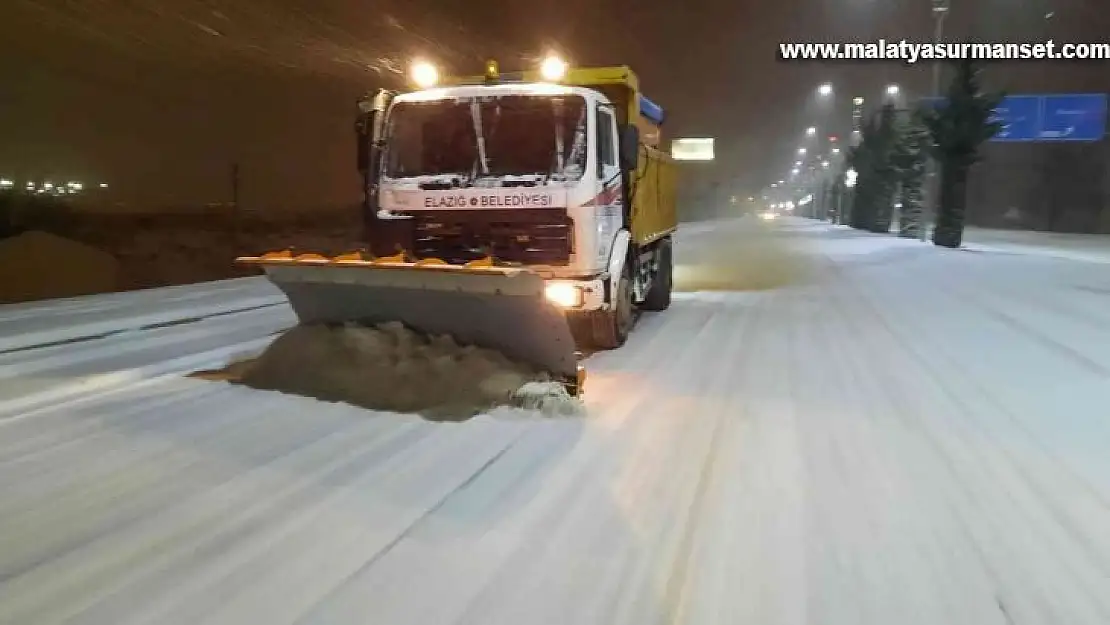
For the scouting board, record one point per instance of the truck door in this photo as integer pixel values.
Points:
(610, 195)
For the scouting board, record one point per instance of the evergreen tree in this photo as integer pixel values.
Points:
(958, 129)
(886, 171)
(861, 212)
(873, 160)
(909, 159)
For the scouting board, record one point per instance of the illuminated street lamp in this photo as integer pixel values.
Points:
(825, 90)
(892, 90)
(836, 150)
(811, 131)
(801, 151)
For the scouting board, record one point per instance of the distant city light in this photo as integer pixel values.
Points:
(811, 131)
(48, 185)
(892, 90)
(824, 163)
(6, 184)
(825, 89)
(103, 185)
(801, 151)
(858, 101)
(850, 178)
(836, 150)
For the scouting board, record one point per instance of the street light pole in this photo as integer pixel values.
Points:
(940, 11)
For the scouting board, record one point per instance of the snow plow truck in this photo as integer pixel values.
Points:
(531, 213)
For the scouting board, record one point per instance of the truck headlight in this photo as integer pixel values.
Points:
(563, 295)
(424, 74)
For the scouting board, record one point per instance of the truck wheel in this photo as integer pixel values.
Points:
(612, 327)
(659, 296)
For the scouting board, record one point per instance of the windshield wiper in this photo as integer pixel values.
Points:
(444, 182)
(480, 139)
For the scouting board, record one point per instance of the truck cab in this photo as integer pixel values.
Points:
(559, 174)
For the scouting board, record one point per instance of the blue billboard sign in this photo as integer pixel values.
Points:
(1073, 117)
(1020, 117)
(1064, 117)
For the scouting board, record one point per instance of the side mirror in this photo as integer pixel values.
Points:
(630, 147)
(364, 131)
(368, 127)
(363, 141)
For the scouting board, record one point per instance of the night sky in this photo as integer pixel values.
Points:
(161, 97)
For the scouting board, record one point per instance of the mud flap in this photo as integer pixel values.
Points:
(498, 308)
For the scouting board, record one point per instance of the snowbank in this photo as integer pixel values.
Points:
(391, 368)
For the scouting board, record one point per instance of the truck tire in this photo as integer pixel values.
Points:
(610, 328)
(659, 296)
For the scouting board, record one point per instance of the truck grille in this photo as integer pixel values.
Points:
(525, 236)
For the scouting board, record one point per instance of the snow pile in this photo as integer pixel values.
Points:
(550, 398)
(390, 367)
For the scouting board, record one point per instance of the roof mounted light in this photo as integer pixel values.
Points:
(423, 74)
(553, 68)
(493, 71)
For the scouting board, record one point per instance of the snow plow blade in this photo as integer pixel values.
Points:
(477, 304)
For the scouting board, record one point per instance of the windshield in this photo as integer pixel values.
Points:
(501, 140)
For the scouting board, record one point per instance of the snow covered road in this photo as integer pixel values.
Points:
(849, 429)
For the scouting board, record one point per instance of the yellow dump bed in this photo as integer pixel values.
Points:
(654, 197)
